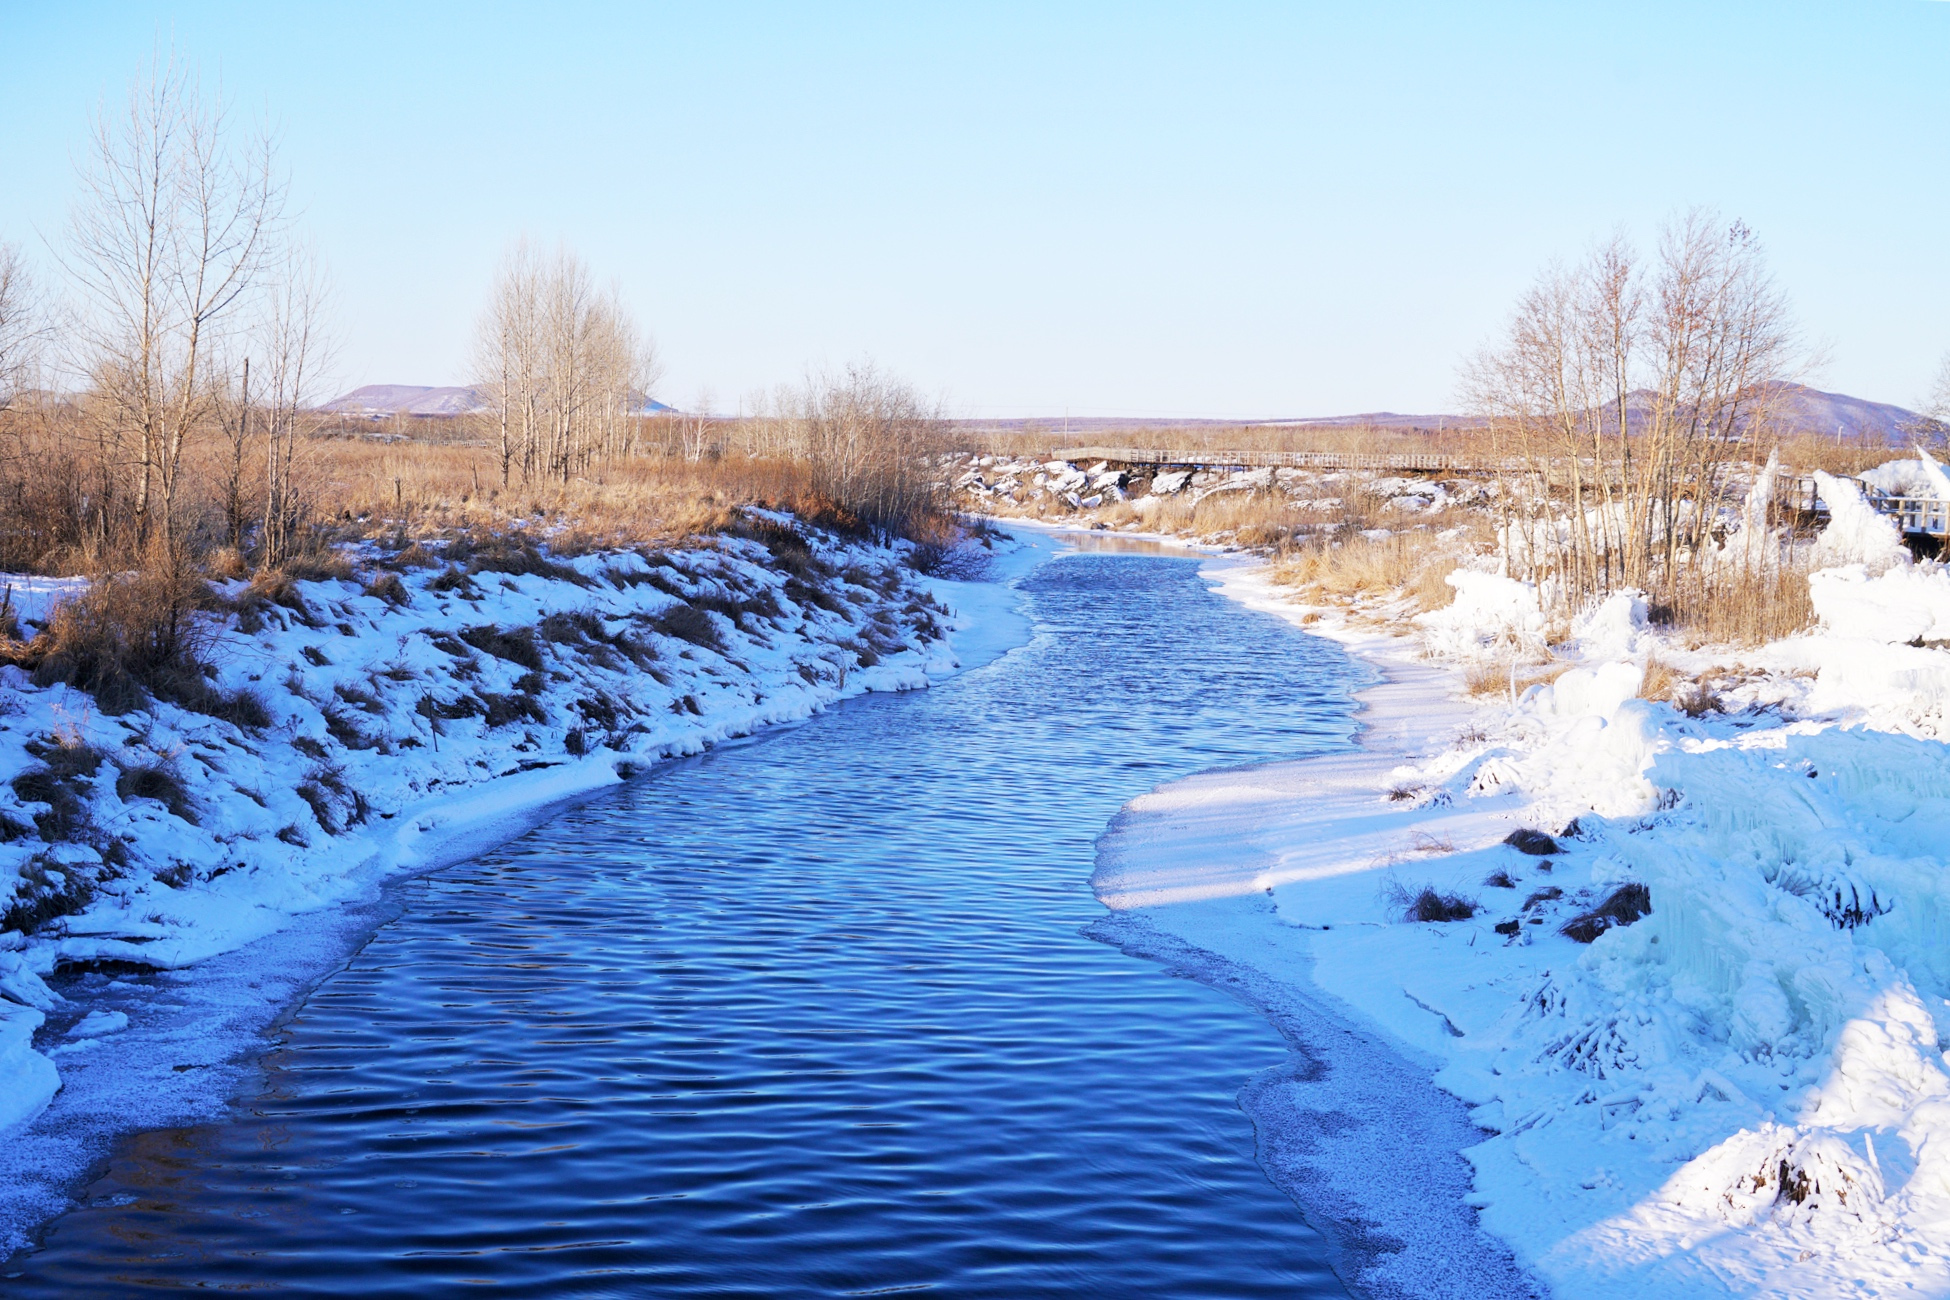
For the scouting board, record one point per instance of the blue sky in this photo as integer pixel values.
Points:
(1210, 209)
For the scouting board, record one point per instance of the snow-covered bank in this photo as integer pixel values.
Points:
(1743, 1092)
(441, 703)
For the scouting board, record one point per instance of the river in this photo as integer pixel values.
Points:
(812, 1014)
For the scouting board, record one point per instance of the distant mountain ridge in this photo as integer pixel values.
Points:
(1801, 409)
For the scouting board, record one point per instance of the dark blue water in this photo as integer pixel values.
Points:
(808, 1016)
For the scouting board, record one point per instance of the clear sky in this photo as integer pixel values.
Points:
(1192, 209)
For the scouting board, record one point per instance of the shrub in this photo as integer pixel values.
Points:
(505, 709)
(688, 623)
(1499, 880)
(154, 781)
(389, 588)
(1534, 842)
(1624, 905)
(123, 637)
(1428, 904)
(517, 646)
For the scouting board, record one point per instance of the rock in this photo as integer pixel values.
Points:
(1170, 482)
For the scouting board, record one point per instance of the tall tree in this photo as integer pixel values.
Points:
(175, 224)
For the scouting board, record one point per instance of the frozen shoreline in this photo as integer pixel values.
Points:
(231, 948)
(1745, 1093)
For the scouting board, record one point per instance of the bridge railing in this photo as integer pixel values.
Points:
(1425, 462)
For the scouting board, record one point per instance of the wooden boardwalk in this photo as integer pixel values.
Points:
(1409, 461)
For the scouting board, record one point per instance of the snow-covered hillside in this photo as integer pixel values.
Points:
(405, 718)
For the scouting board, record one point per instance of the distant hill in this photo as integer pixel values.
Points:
(417, 399)
(407, 399)
(1801, 410)
(1809, 410)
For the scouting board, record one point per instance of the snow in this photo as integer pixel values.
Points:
(1744, 1092)
(1490, 611)
(1917, 476)
(1856, 532)
(32, 598)
(1900, 605)
(385, 755)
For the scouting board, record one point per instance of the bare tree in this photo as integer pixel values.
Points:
(563, 366)
(1620, 394)
(172, 231)
(296, 349)
(1937, 404)
(22, 329)
(866, 440)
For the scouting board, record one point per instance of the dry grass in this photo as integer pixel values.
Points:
(1742, 607)
(1806, 453)
(1508, 677)
(60, 513)
(1345, 565)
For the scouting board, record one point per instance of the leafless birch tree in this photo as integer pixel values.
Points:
(175, 222)
(564, 368)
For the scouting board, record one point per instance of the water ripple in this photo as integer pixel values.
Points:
(805, 1016)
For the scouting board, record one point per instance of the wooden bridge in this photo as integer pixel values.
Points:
(1408, 461)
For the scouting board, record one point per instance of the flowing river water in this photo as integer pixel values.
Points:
(811, 1015)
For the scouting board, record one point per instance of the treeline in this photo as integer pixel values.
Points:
(153, 411)
(160, 383)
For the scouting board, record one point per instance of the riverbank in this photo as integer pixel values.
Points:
(1742, 1091)
(422, 708)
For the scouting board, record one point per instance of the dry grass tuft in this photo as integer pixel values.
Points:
(1346, 565)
